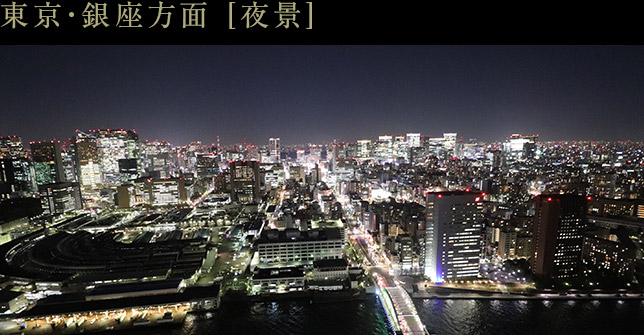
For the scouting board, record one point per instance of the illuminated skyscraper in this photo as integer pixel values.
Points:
(69, 161)
(245, 181)
(384, 147)
(274, 149)
(128, 170)
(16, 178)
(401, 149)
(157, 159)
(413, 140)
(17, 175)
(521, 147)
(48, 162)
(87, 163)
(11, 147)
(60, 198)
(557, 235)
(206, 166)
(449, 141)
(364, 149)
(453, 235)
(112, 145)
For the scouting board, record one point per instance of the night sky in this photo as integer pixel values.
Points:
(320, 93)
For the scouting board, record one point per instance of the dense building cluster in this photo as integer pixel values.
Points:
(106, 208)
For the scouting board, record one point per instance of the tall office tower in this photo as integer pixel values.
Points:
(244, 181)
(384, 147)
(11, 147)
(556, 235)
(274, 149)
(16, 178)
(157, 160)
(521, 147)
(413, 140)
(297, 173)
(453, 237)
(363, 149)
(48, 162)
(87, 162)
(69, 161)
(128, 170)
(206, 166)
(112, 145)
(449, 141)
(401, 149)
(17, 174)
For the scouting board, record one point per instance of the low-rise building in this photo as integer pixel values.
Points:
(292, 245)
(11, 301)
(278, 280)
(330, 269)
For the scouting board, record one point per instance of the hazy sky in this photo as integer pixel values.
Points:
(317, 93)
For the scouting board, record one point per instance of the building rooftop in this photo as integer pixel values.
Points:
(294, 235)
(450, 193)
(6, 295)
(270, 273)
(330, 263)
(136, 287)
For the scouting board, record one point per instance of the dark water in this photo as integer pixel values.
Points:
(499, 317)
(445, 317)
(284, 317)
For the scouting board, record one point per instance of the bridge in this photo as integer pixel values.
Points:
(400, 309)
(406, 312)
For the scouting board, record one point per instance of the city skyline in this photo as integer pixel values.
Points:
(314, 94)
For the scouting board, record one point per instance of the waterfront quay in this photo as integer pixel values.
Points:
(452, 293)
(75, 313)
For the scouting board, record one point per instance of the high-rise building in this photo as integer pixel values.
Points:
(112, 145)
(297, 173)
(87, 162)
(69, 161)
(11, 147)
(401, 149)
(507, 243)
(128, 170)
(48, 162)
(152, 192)
(60, 198)
(206, 166)
(557, 235)
(384, 147)
(449, 140)
(16, 178)
(413, 140)
(521, 147)
(157, 160)
(453, 237)
(245, 181)
(364, 149)
(274, 149)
